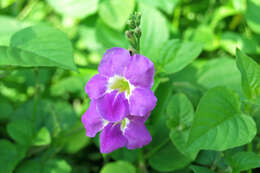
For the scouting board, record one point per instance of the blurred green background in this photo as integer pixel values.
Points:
(54, 99)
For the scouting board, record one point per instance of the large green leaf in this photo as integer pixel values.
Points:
(118, 167)
(74, 8)
(38, 46)
(219, 123)
(253, 15)
(175, 55)
(154, 32)
(250, 74)
(21, 131)
(180, 116)
(242, 161)
(9, 156)
(115, 13)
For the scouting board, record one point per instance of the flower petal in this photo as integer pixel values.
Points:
(114, 62)
(141, 102)
(140, 71)
(113, 106)
(92, 121)
(136, 134)
(96, 86)
(111, 138)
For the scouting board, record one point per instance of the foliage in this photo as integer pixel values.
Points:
(206, 55)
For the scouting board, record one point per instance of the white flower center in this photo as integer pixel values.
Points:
(120, 84)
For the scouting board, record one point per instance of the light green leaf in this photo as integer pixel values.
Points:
(9, 156)
(154, 32)
(38, 46)
(110, 37)
(219, 123)
(250, 74)
(180, 116)
(253, 15)
(242, 161)
(74, 8)
(174, 55)
(115, 13)
(43, 137)
(21, 131)
(118, 167)
(199, 169)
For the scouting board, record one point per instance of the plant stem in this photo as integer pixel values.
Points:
(142, 165)
(35, 102)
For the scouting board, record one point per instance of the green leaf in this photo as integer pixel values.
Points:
(168, 158)
(43, 137)
(180, 116)
(208, 38)
(180, 112)
(154, 32)
(9, 156)
(214, 73)
(125, 154)
(242, 161)
(37, 166)
(38, 46)
(118, 167)
(6, 3)
(250, 74)
(21, 132)
(174, 55)
(74, 8)
(230, 41)
(253, 15)
(219, 123)
(199, 169)
(74, 143)
(110, 37)
(6, 109)
(11, 26)
(115, 13)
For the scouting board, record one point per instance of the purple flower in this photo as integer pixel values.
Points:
(121, 100)
(130, 132)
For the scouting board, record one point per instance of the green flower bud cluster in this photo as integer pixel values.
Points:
(134, 32)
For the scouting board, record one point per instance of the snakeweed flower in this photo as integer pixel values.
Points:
(121, 100)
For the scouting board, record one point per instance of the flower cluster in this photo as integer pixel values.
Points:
(121, 100)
